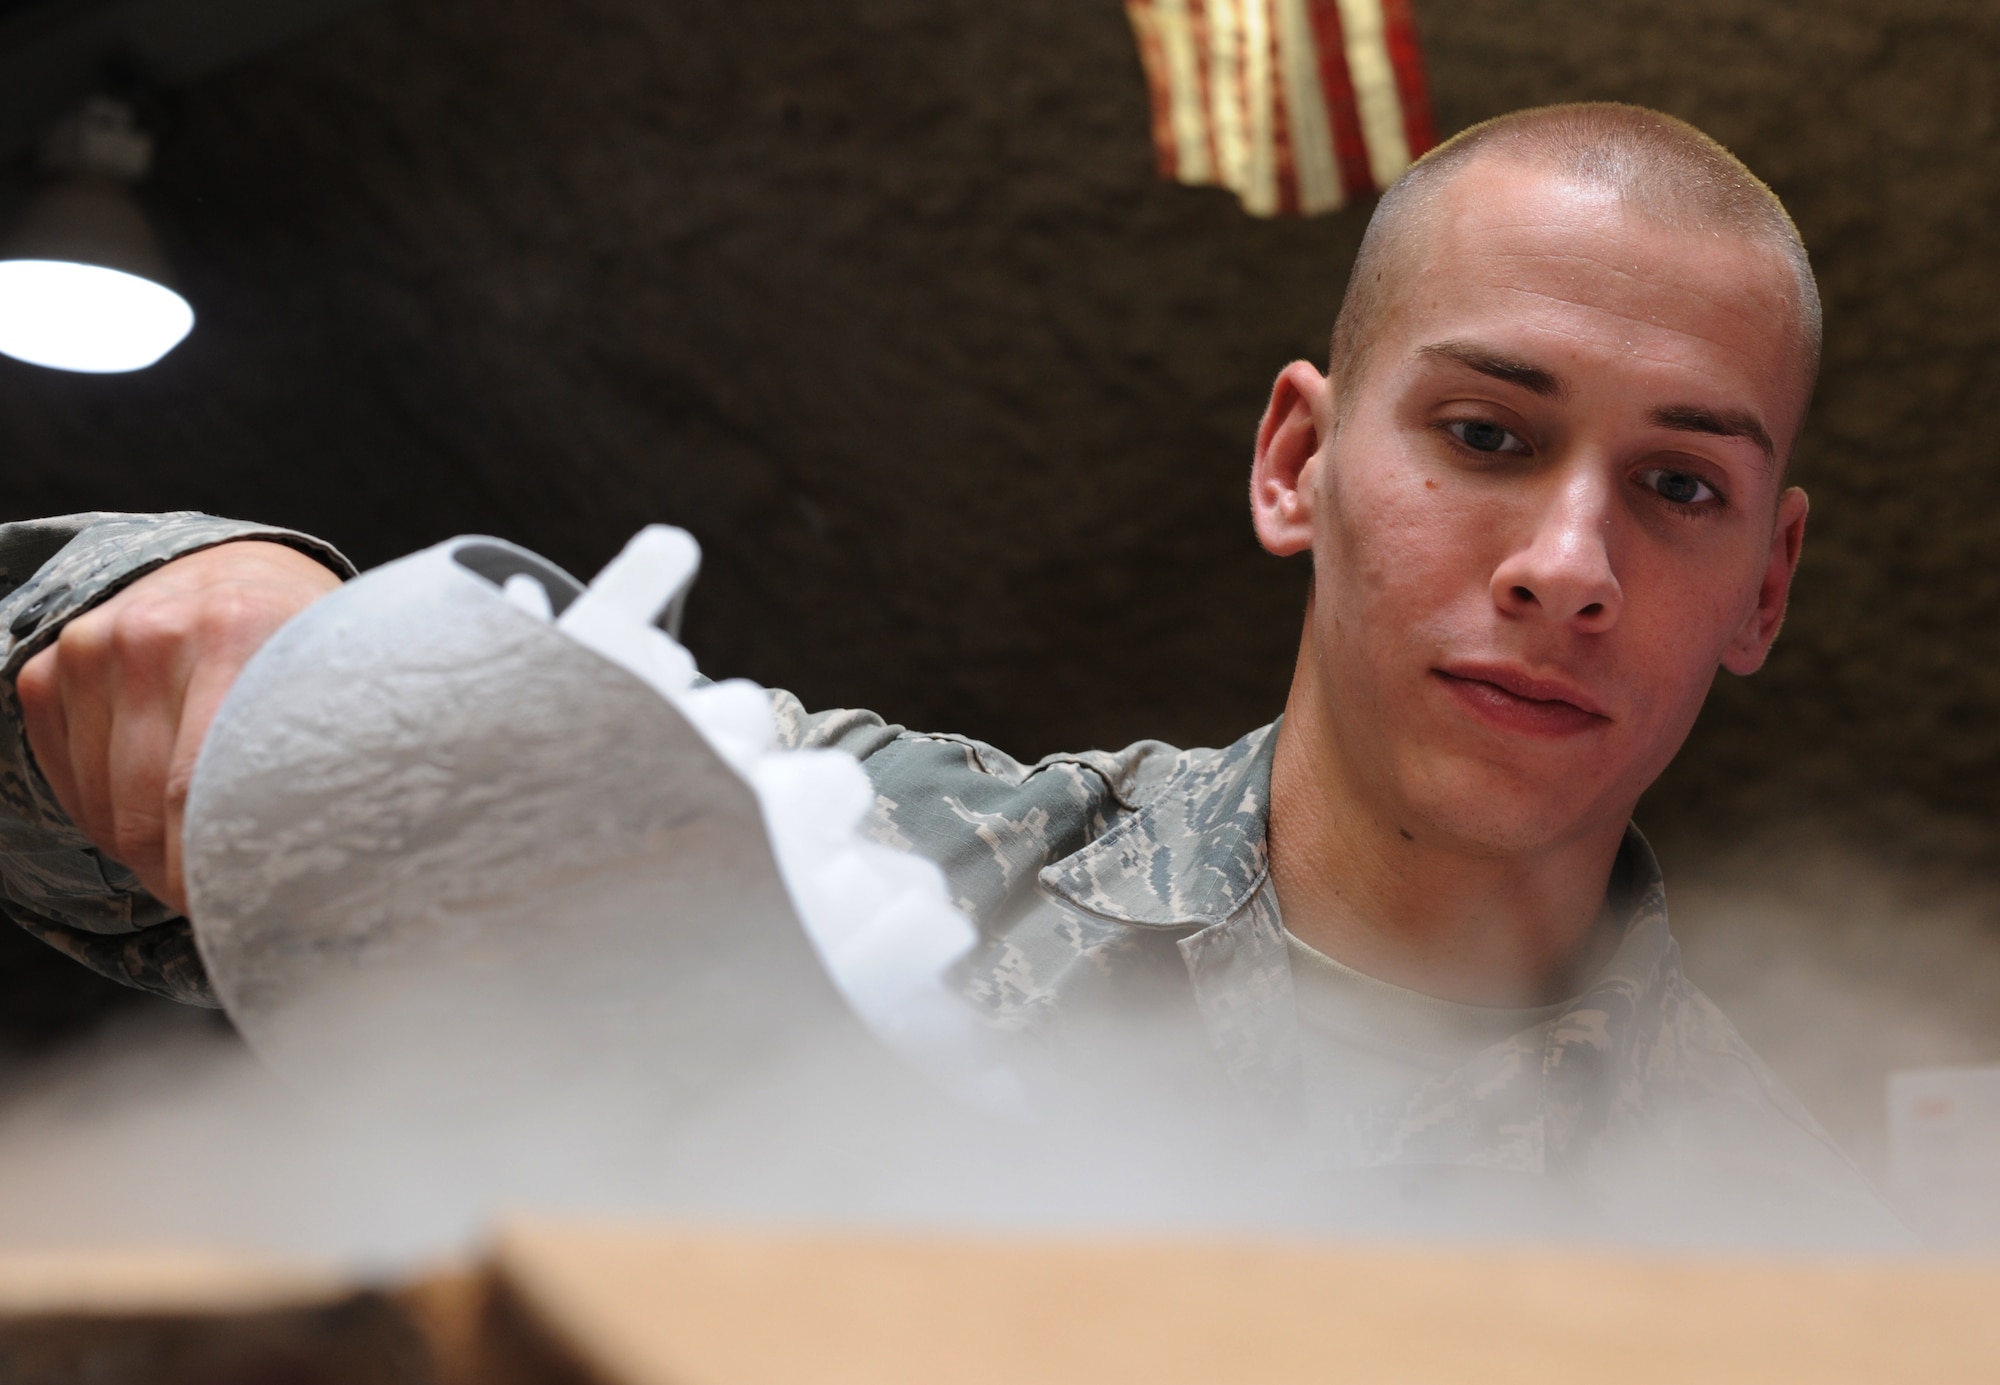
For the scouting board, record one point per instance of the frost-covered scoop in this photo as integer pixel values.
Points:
(467, 824)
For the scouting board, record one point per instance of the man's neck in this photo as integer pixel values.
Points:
(1432, 916)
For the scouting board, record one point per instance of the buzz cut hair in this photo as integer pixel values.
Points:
(1660, 167)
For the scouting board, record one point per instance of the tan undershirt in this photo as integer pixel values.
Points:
(1366, 1042)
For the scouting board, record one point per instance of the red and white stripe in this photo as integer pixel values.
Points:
(1295, 105)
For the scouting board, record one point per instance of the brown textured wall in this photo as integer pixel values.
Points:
(882, 299)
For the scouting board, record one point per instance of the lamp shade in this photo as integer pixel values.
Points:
(83, 284)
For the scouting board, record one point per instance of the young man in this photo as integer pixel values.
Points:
(1543, 487)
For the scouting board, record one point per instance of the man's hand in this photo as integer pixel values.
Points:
(116, 709)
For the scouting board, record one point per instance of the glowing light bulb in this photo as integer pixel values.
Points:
(85, 317)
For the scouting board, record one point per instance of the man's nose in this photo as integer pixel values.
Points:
(1563, 570)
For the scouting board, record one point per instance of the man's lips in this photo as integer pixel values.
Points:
(1514, 700)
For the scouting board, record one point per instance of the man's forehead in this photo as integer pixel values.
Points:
(1505, 221)
(1515, 252)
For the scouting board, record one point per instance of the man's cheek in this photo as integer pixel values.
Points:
(1674, 645)
(1413, 560)
(1661, 692)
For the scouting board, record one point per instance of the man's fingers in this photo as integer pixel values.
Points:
(81, 680)
(116, 711)
(47, 725)
(199, 704)
(139, 754)
(144, 680)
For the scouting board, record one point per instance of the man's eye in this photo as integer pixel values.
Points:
(1678, 487)
(1481, 436)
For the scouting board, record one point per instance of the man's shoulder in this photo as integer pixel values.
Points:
(1737, 1134)
(1013, 834)
(1709, 1057)
(1132, 776)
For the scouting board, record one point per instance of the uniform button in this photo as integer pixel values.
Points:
(36, 609)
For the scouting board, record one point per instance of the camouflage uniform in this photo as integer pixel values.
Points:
(1094, 878)
(1095, 875)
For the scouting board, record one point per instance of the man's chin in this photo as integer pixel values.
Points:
(1480, 812)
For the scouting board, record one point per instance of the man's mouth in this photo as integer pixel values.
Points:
(1512, 699)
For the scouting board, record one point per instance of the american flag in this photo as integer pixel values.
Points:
(1294, 105)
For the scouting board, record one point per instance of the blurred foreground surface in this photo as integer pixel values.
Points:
(570, 1303)
(1841, 965)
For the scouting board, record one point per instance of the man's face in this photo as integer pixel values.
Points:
(1550, 511)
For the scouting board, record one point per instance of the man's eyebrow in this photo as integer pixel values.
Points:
(1724, 423)
(1532, 378)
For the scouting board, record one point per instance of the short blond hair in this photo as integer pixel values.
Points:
(1658, 165)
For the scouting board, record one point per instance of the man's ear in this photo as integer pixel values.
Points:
(1746, 652)
(1283, 489)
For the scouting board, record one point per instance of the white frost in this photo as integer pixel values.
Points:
(879, 919)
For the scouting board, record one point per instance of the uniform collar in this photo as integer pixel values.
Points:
(1195, 859)
(1192, 856)
(1540, 1101)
